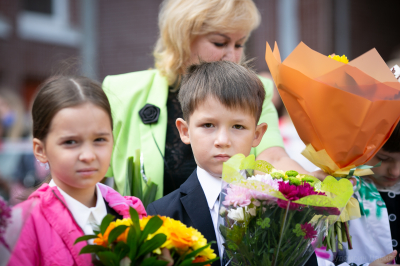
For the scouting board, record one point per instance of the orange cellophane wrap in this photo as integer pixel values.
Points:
(348, 110)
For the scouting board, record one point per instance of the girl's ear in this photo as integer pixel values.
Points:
(39, 150)
(259, 133)
(183, 129)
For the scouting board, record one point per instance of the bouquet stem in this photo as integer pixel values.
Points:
(282, 231)
(346, 227)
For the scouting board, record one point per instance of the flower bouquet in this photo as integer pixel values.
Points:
(137, 241)
(343, 111)
(273, 218)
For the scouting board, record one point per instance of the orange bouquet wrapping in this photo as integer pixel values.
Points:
(344, 113)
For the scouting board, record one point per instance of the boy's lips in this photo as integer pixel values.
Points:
(222, 157)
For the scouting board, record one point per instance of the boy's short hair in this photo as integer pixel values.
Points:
(234, 85)
(393, 143)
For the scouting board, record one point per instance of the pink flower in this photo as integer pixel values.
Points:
(309, 230)
(237, 196)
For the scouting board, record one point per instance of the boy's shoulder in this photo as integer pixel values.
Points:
(173, 205)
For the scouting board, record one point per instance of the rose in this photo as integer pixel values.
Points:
(149, 114)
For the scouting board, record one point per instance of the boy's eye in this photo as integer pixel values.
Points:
(100, 140)
(208, 125)
(69, 142)
(238, 127)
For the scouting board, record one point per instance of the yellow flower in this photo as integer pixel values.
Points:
(339, 58)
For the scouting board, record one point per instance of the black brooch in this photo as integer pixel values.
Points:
(149, 114)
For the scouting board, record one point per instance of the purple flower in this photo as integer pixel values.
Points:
(292, 192)
(5, 215)
(327, 210)
(309, 230)
(237, 196)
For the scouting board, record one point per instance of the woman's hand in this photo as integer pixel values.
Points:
(384, 260)
(166, 255)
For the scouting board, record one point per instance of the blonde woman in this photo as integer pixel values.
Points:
(145, 105)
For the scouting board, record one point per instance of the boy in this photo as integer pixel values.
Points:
(221, 103)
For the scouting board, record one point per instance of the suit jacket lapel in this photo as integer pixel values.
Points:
(195, 204)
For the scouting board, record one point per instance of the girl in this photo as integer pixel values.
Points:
(376, 234)
(72, 131)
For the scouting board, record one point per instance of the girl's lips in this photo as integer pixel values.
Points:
(87, 172)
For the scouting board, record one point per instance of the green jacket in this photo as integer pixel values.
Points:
(128, 93)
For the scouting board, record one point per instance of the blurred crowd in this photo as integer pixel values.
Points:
(19, 170)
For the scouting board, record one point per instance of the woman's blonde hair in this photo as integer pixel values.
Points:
(180, 21)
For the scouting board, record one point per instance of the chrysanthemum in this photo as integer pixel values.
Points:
(309, 230)
(237, 196)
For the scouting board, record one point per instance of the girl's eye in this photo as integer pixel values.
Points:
(238, 127)
(69, 142)
(218, 44)
(383, 159)
(208, 125)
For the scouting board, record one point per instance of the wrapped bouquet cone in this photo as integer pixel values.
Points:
(343, 111)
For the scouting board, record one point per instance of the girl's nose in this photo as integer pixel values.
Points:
(87, 155)
(394, 169)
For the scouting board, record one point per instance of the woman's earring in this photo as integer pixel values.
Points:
(45, 165)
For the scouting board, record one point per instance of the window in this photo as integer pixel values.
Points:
(47, 21)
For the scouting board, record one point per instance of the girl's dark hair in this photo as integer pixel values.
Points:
(61, 92)
(393, 143)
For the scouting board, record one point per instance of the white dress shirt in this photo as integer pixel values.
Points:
(88, 219)
(212, 188)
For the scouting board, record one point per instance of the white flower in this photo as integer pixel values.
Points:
(222, 211)
(236, 214)
(125, 262)
(252, 211)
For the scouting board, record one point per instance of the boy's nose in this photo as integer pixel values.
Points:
(222, 139)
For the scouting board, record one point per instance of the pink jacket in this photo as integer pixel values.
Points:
(50, 230)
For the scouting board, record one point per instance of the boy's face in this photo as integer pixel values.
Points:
(216, 133)
(388, 174)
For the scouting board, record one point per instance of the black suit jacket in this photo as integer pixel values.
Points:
(189, 205)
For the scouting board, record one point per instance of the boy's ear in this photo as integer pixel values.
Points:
(39, 150)
(260, 131)
(183, 129)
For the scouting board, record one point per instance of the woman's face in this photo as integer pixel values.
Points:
(218, 46)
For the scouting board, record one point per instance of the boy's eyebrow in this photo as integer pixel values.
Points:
(223, 35)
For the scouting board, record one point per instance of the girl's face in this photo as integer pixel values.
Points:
(78, 147)
(218, 46)
(388, 174)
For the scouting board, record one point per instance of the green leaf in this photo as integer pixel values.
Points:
(152, 244)
(153, 261)
(108, 258)
(84, 238)
(105, 223)
(129, 177)
(92, 249)
(135, 221)
(137, 189)
(151, 227)
(122, 250)
(188, 262)
(132, 243)
(116, 232)
(150, 193)
(193, 254)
